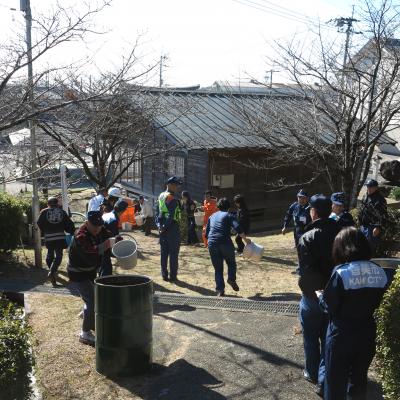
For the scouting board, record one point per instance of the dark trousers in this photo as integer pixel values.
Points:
(220, 253)
(314, 323)
(170, 242)
(348, 355)
(105, 266)
(373, 241)
(148, 223)
(192, 236)
(239, 243)
(86, 291)
(54, 257)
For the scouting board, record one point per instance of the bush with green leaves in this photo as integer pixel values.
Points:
(388, 340)
(395, 193)
(11, 221)
(16, 359)
(389, 244)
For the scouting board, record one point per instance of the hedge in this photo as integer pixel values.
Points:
(11, 221)
(16, 359)
(388, 340)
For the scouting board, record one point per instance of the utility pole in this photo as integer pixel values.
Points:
(162, 59)
(341, 23)
(271, 71)
(25, 7)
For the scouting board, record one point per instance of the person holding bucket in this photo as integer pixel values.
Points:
(89, 245)
(168, 218)
(111, 224)
(220, 245)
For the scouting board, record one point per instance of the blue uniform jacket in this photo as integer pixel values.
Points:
(344, 219)
(218, 230)
(300, 215)
(353, 293)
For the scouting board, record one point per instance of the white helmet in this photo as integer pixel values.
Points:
(114, 192)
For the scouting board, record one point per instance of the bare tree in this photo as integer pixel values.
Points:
(61, 26)
(341, 104)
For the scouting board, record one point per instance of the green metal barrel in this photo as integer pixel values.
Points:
(124, 323)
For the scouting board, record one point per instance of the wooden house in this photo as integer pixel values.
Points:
(205, 146)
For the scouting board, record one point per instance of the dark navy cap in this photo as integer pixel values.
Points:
(120, 205)
(371, 183)
(52, 201)
(338, 198)
(174, 180)
(94, 217)
(302, 193)
(321, 203)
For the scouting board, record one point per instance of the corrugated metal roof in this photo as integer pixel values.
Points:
(216, 120)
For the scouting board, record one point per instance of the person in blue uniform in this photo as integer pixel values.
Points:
(167, 219)
(339, 214)
(111, 224)
(315, 268)
(351, 296)
(373, 211)
(220, 246)
(299, 212)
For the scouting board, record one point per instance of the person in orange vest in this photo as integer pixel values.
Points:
(209, 208)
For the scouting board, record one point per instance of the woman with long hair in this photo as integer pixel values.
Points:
(351, 296)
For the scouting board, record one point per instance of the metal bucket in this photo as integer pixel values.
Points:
(124, 324)
(125, 251)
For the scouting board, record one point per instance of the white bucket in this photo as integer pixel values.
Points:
(199, 218)
(139, 220)
(126, 226)
(253, 251)
(126, 253)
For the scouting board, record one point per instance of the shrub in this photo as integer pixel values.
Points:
(388, 340)
(16, 359)
(395, 193)
(11, 221)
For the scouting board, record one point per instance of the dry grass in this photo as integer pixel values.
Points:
(258, 280)
(65, 368)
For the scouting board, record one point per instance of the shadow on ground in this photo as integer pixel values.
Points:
(277, 297)
(166, 383)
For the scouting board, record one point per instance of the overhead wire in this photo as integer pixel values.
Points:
(283, 14)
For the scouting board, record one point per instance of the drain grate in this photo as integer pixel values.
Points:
(227, 303)
(218, 303)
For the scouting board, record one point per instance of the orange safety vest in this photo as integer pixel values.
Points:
(129, 214)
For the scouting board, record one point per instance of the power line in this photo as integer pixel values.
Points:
(282, 14)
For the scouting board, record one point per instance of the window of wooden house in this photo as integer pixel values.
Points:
(176, 166)
(133, 173)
